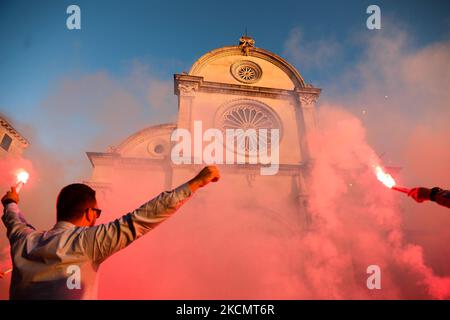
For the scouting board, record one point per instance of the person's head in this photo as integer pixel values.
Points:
(76, 203)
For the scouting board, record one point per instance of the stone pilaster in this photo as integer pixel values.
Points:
(308, 104)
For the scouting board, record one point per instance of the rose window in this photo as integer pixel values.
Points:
(246, 71)
(250, 116)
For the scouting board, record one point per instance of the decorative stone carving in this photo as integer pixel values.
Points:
(246, 47)
(187, 90)
(308, 99)
(246, 43)
(246, 71)
(246, 115)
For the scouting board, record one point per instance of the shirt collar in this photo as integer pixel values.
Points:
(63, 225)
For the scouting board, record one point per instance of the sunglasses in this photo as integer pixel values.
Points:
(97, 211)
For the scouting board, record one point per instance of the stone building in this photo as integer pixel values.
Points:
(12, 142)
(239, 86)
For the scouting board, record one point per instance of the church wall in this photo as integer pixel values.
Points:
(207, 108)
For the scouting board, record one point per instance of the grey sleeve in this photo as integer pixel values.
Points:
(103, 240)
(15, 223)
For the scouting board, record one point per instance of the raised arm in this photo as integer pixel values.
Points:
(440, 196)
(435, 194)
(14, 221)
(106, 239)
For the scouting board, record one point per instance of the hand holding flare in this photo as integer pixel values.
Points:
(13, 195)
(22, 178)
(388, 181)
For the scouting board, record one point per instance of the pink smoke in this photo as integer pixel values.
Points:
(237, 241)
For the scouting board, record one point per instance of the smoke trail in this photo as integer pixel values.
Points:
(354, 209)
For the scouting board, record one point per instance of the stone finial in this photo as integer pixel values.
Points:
(246, 43)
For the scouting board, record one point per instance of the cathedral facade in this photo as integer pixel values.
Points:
(239, 86)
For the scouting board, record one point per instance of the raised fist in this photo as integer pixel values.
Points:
(207, 175)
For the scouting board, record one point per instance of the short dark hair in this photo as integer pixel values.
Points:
(72, 200)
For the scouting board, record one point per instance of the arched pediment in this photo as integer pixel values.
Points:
(151, 142)
(247, 65)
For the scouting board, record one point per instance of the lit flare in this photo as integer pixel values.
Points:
(388, 181)
(22, 178)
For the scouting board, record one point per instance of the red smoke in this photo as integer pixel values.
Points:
(236, 241)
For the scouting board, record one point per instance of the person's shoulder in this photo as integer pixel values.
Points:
(29, 238)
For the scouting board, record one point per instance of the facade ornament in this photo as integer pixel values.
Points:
(111, 149)
(245, 43)
(246, 71)
(308, 99)
(187, 90)
(245, 115)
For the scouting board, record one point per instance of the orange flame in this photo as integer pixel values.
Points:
(384, 177)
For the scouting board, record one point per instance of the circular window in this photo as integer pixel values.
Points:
(247, 115)
(159, 148)
(246, 71)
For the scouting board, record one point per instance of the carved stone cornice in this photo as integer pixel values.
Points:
(115, 159)
(186, 85)
(108, 159)
(187, 89)
(199, 85)
(283, 169)
(308, 99)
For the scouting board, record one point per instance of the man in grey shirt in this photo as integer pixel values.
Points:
(62, 263)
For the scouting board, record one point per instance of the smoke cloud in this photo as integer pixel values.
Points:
(240, 238)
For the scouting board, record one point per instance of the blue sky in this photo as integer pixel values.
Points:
(37, 50)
